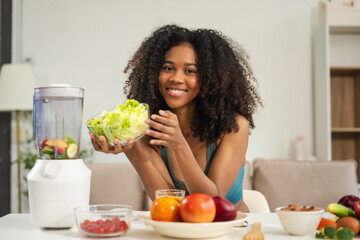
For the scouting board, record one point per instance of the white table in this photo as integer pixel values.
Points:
(19, 227)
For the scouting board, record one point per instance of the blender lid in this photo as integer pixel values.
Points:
(59, 90)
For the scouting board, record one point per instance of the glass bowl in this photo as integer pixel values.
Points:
(135, 132)
(104, 220)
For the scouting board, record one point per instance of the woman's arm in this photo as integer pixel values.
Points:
(230, 157)
(146, 160)
(150, 167)
(225, 166)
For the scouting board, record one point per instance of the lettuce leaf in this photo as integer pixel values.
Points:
(125, 122)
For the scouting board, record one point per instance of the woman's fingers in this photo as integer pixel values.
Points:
(129, 145)
(156, 134)
(158, 142)
(104, 145)
(117, 146)
(164, 124)
(166, 118)
(159, 130)
(158, 126)
(105, 148)
(95, 144)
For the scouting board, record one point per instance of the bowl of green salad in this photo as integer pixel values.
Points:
(124, 122)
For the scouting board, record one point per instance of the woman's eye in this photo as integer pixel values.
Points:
(167, 68)
(190, 71)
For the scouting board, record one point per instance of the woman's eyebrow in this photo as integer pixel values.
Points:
(186, 64)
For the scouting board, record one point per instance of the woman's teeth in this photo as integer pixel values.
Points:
(176, 91)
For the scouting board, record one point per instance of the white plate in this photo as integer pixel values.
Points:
(192, 230)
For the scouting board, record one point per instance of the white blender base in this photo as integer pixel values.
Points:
(55, 188)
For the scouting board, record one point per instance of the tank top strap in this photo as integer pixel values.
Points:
(210, 153)
(164, 153)
(165, 156)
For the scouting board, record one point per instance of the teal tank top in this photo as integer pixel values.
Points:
(235, 193)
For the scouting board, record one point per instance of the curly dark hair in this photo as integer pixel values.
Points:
(225, 77)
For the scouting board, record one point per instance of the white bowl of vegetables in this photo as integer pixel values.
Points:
(124, 122)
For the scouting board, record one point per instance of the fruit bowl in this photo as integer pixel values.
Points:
(299, 222)
(192, 230)
(104, 220)
(124, 122)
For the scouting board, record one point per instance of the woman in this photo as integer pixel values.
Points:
(201, 94)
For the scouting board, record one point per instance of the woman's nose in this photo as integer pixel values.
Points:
(177, 76)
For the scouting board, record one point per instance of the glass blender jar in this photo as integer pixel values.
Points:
(57, 121)
(59, 181)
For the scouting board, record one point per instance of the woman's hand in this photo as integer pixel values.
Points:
(165, 130)
(105, 148)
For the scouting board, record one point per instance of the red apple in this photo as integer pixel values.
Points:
(197, 208)
(59, 150)
(225, 210)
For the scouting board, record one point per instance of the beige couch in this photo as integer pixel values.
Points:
(281, 181)
(315, 183)
(116, 183)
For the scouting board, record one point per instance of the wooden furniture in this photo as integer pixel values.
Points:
(337, 84)
(345, 112)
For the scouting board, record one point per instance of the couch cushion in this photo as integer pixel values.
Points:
(116, 183)
(304, 182)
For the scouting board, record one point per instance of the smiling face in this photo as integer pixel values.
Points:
(178, 79)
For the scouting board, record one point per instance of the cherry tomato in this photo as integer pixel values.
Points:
(111, 228)
(100, 226)
(99, 230)
(198, 208)
(93, 225)
(87, 221)
(86, 226)
(123, 226)
(100, 222)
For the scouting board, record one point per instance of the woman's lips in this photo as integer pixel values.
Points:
(176, 92)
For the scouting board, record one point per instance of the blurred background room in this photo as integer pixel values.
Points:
(87, 43)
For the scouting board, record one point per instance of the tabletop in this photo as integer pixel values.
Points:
(19, 226)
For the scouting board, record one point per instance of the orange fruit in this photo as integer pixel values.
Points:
(165, 209)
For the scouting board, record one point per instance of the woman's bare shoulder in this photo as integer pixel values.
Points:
(242, 122)
(243, 130)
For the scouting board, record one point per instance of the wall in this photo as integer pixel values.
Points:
(88, 43)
